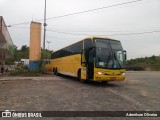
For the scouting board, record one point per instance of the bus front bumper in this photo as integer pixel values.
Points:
(102, 77)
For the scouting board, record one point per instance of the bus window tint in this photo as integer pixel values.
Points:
(109, 54)
(118, 51)
(70, 50)
(78, 47)
(103, 54)
(87, 45)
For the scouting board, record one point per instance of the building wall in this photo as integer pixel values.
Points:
(7, 49)
(0, 23)
(35, 41)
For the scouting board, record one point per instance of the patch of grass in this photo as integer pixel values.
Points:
(25, 73)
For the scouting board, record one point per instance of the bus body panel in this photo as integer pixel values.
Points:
(83, 73)
(67, 65)
(48, 67)
(109, 75)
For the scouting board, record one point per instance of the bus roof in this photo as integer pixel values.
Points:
(90, 37)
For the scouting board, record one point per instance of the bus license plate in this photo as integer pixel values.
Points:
(113, 78)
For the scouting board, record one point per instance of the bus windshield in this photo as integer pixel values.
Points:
(109, 54)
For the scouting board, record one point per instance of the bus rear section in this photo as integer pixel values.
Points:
(67, 60)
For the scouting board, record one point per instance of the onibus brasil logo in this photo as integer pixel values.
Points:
(14, 113)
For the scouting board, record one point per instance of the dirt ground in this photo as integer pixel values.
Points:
(139, 92)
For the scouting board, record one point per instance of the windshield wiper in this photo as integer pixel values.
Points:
(117, 60)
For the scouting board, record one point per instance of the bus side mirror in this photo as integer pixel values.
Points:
(125, 55)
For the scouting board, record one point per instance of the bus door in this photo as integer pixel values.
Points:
(88, 47)
(90, 64)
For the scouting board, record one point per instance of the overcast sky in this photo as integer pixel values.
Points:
(119, 22)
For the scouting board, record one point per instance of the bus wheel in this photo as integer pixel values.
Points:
(53, 71)
(104, 82)
(56, 72)
(79, 75)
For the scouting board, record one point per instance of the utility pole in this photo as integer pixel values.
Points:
(44, 24)
(44, 39)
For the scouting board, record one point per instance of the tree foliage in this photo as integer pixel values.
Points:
(148, 63)
(23, 53)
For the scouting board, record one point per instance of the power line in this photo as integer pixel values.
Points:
(81, 12)
(71, 33)
(113, 30)
(148, 32)
(67, 32)
(91, 10)
(96, 30)
(136, 33)
(22, 23)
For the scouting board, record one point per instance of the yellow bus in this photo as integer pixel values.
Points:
(93, 58)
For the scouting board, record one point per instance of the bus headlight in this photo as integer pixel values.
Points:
(100, 73)
(123, 73)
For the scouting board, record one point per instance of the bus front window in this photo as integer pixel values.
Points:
(109, 54)
(118, 54)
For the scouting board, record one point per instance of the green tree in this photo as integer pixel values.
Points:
(24, 48)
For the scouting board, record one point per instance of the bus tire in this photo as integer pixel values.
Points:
(104, 82)
(79, 75)
(56, 72)
(53, 70)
